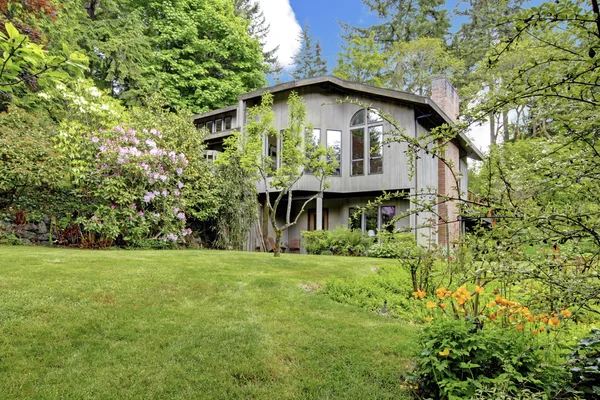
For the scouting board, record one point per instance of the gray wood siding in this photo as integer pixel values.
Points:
(325, 114)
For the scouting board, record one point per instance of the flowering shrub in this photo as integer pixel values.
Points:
(475, 340)
(135, 186)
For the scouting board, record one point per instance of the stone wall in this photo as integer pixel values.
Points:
(29, 233)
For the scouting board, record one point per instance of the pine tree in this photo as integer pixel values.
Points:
(309, 60)
(258, 28)
(403, 20)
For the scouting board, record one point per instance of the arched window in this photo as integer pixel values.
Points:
(366, 130)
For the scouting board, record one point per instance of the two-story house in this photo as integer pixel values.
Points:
(368, 165)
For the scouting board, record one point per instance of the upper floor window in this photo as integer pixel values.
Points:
(218, 125)
(366, 131)
(334, 141)
(227, 121)
(209, 126)
(313, 141)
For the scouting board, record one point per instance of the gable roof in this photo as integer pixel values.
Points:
(424, 106)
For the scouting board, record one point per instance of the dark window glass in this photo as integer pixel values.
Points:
(218, 125)
(334, 141)
(209, 126)
(313, 140)
(200, 125)
(358, 151)
(227, 123)
(387, 215)
(375, 150)
(358, 118)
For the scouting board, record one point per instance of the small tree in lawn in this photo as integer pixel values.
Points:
(278, 175)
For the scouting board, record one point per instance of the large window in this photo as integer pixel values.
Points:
(372, 219)
(334, 141)
(366, 129)
(313, 140)
(227, 121)
(209, 126)
(218, 125)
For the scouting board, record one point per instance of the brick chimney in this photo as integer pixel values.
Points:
(445, 96)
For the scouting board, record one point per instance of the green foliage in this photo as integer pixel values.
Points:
(317, 242)
(418, 62)
(362, 60)
(183, 33)
(26, 66)
(341, 241)
(458, 361)
(584, 365)
(29, 163)
(309, 60)
(405, 20)
(387, 291)
(391, 244)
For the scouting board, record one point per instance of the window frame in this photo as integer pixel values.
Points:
(363, 218)
(367, 127)
(339, 155)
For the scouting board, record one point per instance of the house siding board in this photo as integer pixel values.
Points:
(325, 113)
(427, 178)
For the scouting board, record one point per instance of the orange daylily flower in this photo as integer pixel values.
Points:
(566, 312)
(419, 294)
(442, 292)
(492, 316)
(431, 304)
(554, 321)
(478, 289)
(535, 332)
(519, 327)
(443, 306)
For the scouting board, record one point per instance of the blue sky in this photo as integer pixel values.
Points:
(324, 15)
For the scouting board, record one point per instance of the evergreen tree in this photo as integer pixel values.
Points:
(309, 60)
(362, 60)
(404, 20)
(258, 28)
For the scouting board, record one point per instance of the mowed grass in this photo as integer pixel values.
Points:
(78, 324)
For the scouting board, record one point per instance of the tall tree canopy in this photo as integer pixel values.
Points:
(405, 20)
(309, 60)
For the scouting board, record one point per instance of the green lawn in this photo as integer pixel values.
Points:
(80, 324)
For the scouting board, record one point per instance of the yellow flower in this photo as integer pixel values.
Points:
(431, 304)
(428, 319)
(442, 292)
(554, 321)
(478, 289)
(419, 294)
(566, 312)
(445, 353)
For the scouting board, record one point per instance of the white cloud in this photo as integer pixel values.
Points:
(284, 31)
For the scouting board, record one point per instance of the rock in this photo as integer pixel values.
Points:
(46, 220)
(31, 227)
(26, 242)
(45, 243)
(42, 228)
(43, 237)
(25, 235)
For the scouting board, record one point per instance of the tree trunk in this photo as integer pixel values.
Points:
(492, 129)
(277, 250)
(265, 225)
(505, 126)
